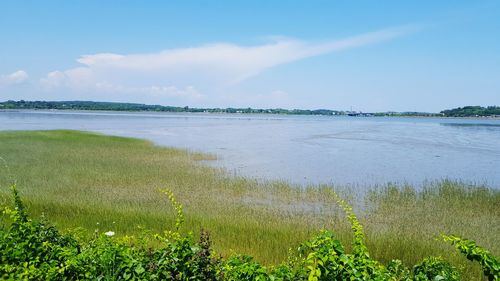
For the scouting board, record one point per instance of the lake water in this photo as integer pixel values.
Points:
(306, 149)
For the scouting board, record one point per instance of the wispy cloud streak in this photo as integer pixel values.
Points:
(178, 72)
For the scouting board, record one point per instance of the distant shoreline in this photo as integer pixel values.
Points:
(492, 112)
(240, 113)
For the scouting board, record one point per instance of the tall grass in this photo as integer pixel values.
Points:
(87, 180)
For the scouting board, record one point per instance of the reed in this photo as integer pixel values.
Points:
(92, 181)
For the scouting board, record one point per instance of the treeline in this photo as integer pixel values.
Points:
(466, 111)
(117, 106)
(408, 114)
(472, 111)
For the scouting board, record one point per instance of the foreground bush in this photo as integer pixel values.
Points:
(31, 250)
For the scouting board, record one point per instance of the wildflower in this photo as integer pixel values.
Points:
(109, 233)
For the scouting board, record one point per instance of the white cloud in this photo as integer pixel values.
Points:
(188, 92)
(182, 73)
(16, 77)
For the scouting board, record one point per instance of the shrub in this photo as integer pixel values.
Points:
(488, 262)
(32, 250)
(435, 268)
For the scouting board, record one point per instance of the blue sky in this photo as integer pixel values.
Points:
(368, 55)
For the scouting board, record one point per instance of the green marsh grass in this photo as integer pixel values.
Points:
(79, 179)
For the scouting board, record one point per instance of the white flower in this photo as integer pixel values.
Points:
(109, 233)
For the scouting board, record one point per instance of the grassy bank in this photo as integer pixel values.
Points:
(86, 180)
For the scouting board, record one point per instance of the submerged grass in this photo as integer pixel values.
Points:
(79, 179)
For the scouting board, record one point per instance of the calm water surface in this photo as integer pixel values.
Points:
(306, 149)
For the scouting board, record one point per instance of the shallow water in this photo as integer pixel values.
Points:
(306, 149)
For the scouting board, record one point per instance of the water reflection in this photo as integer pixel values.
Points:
(473, 126)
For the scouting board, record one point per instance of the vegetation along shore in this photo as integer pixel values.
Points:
(466, 111)
(106, 189)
